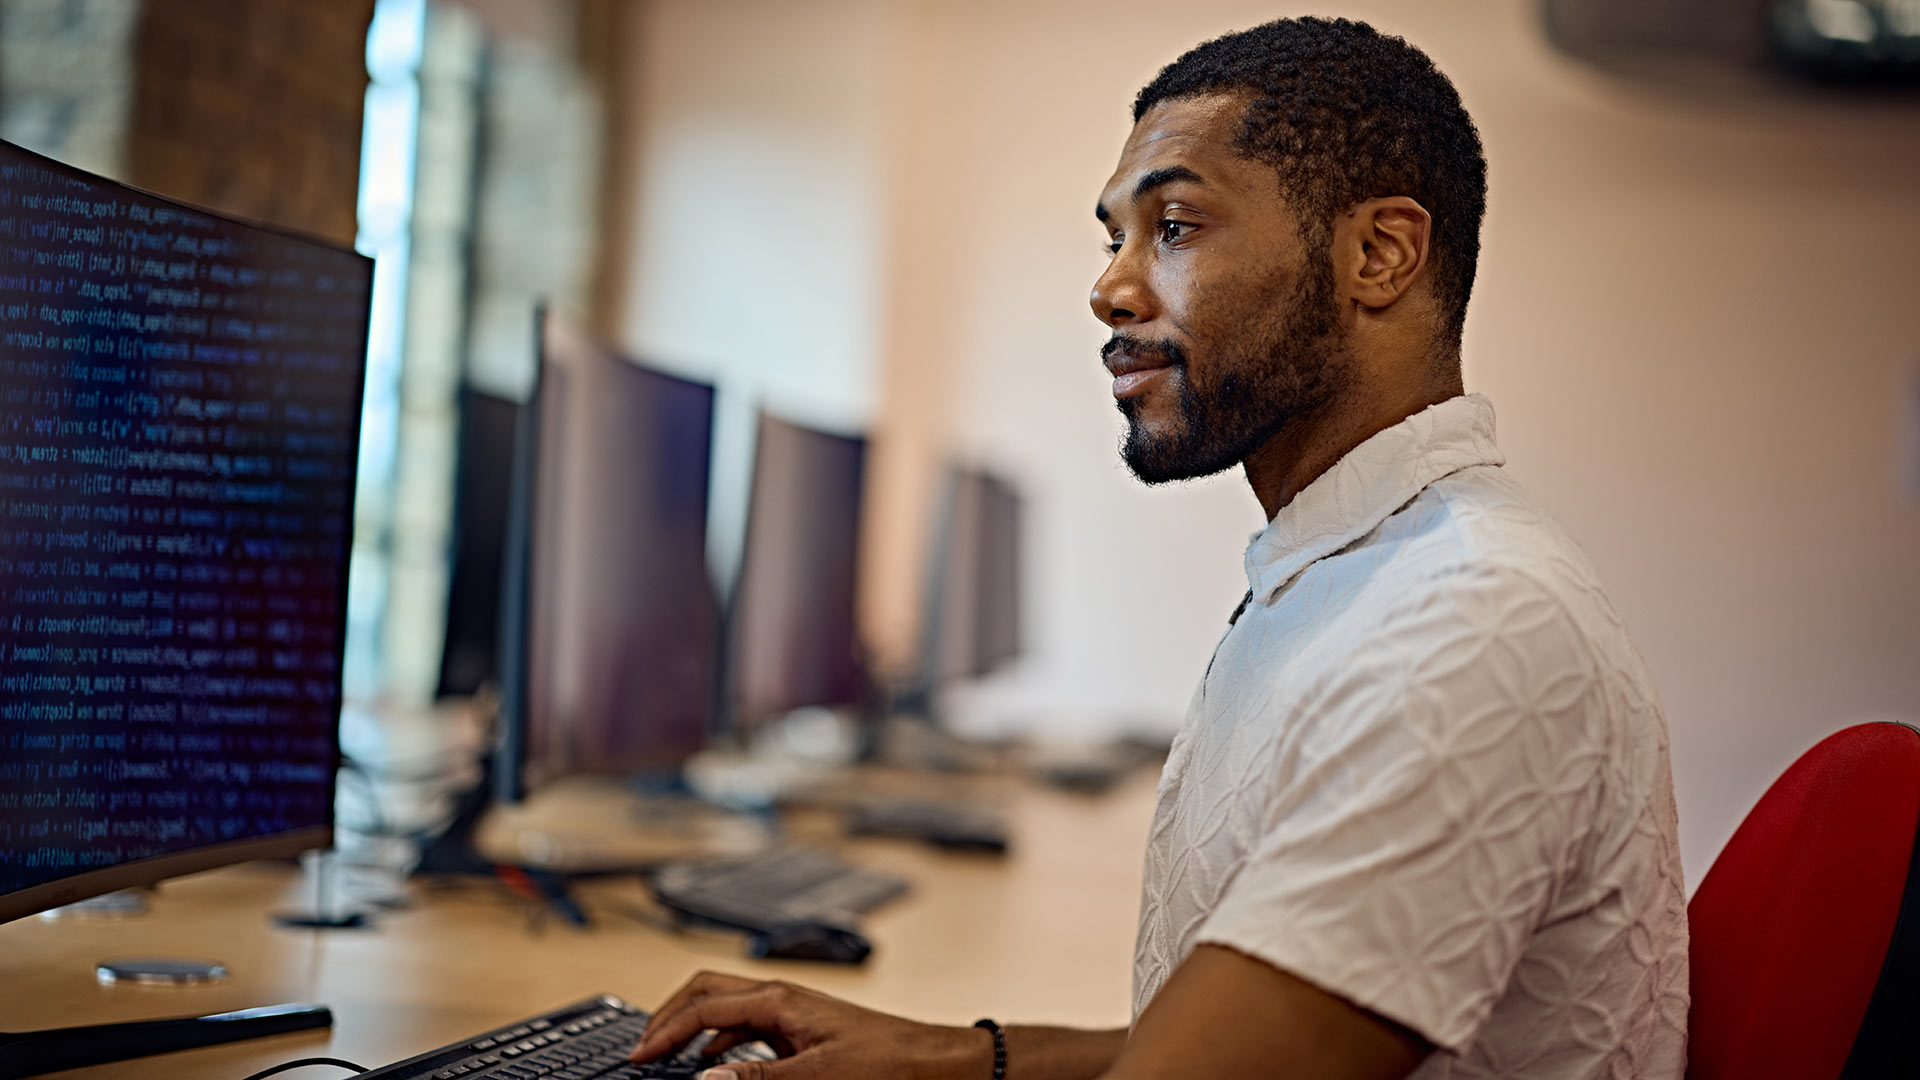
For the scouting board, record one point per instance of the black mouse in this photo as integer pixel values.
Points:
(823, 941)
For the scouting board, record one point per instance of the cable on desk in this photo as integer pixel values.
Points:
(304, 1062)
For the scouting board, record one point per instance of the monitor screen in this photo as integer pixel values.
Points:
(971, 623)
(481, 504)
(997, 634)
(622, 617)
(177, 449)
(795, 638)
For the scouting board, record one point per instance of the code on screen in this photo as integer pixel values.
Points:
(179, 416)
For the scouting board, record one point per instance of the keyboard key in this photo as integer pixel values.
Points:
(585, 1041)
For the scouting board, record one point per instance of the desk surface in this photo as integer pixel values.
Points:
(1044, 935)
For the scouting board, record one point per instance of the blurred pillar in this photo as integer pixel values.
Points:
(253, 108)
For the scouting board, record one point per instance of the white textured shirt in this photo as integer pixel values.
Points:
(1427, 771)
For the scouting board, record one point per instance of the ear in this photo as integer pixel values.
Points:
(1380, 248)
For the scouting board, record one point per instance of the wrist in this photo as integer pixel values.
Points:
(958, 1053)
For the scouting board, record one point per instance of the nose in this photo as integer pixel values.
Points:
(1120, 295)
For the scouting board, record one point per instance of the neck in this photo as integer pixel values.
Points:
(1308, 446)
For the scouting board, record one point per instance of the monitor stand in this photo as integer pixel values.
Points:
(327, 914)
(455, 852)
(32, 1053)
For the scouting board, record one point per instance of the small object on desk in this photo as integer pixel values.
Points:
(1091, 768)
(956, 826)
(822, 941)
(1085, 777)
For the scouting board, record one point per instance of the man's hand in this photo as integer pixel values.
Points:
(816, 1036)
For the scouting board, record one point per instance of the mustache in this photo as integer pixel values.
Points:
(1165, 350)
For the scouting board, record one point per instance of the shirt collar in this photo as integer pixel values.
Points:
(1373, 480)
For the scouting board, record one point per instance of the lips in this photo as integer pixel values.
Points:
(1132, 371)
(1134, 382)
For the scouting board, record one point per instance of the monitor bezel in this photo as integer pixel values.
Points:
(60, 892)
(46, 896)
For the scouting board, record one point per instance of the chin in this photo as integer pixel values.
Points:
(1158, 458)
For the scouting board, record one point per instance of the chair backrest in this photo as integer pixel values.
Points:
(1806, 932)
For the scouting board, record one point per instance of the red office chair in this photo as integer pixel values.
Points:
(1806, 932)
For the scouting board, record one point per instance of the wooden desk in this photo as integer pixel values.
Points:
(1044, 935)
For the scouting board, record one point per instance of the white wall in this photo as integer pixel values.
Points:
(757, 257)
(1697, 320)
(1700, 331)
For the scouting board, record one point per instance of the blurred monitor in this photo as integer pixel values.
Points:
(794, 639)
(971, 623)
(997, 638)
(182, 394)
(612, 612)
(482, 503)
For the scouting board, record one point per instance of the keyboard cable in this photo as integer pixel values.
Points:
(304, 1062)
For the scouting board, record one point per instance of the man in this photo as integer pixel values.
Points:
(1420, 819)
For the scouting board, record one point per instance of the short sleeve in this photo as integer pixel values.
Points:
(1444, 778)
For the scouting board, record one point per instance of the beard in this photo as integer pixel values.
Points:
(1288, 366)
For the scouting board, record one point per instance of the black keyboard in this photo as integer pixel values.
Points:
(780, 885)
(955, 825)
(587, 1040)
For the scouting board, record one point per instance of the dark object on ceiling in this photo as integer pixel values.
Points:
(1740, 43)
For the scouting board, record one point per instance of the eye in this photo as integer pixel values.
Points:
(1112, 247)
(1171, 231)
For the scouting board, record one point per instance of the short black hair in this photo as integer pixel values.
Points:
(1346, 113)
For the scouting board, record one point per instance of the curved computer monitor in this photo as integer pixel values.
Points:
(615, 627)
(482, 510)
(970, 624)
(795, 637)
(182, 409)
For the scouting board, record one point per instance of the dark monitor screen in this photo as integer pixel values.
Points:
(482, 502)
(997, 636)
(971, 622)
(177, 447)
(795, 639)
(623, 619)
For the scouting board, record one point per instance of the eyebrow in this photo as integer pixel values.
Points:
(1158, 178)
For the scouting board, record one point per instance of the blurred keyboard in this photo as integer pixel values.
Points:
(960, 826)
(780, 885)
(587, 1040)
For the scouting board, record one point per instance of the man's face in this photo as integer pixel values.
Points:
(1225, 327)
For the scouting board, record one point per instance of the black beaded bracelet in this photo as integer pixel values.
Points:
(999, 1047)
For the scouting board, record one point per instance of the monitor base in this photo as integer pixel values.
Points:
(123, 904)
(294, 920)
(327, 912)
(159, 971)
(33, 1053)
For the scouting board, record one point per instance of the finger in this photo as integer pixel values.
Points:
(757, 1008)
(808, 1066)
(700, 986)
(727, 1040)
(766, 1007)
